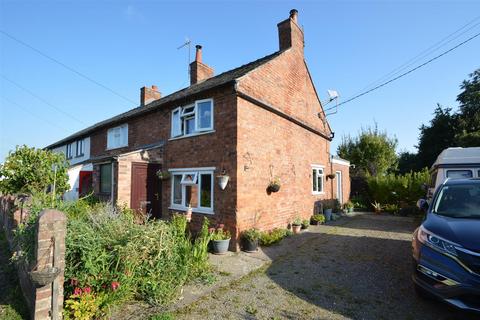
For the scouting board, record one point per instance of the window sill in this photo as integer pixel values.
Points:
(194, 210)
(191, 135)
(318, 193)
(113, 148)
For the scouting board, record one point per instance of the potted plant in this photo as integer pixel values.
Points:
(305, 224)
(274, 185)
(220, 239)
(327, 211)
(163, 174)
(250, 239)
(349, 206)
(331, 176)
(296, 225)
(377, 207)
(318, 219)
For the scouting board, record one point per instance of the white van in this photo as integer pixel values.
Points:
(454, 163)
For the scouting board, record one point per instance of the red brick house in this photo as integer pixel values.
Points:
(253, 123)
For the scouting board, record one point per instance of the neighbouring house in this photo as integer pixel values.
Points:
(258, 122)
(77, 152)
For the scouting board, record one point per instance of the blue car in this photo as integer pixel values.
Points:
(446, 246)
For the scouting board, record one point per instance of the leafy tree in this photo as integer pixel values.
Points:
(372, 152)
(469, 99)
(436, 136)
(408, 162)
(29, 170)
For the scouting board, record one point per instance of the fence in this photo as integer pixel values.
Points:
(44, 297)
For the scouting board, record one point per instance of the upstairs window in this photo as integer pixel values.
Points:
(317, 180)
(79, 149)
(69, 151)
(117, 137)
(193, 119)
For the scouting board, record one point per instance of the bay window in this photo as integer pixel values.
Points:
(317, 179)
(192, 187)
(192, 119)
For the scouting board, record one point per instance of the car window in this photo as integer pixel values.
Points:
(458, 201)
(459, 174)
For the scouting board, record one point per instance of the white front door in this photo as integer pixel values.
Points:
(338, 178)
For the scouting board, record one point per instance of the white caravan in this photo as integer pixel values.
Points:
(454, 163)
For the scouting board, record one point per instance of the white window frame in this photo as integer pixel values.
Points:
(197, 117)
(69, 151)
(179, 118)
(184, 180)
(318, 168)
(198, 172)
(123, 129)
(79, 150)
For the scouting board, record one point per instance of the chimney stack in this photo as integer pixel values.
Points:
(198, 70)
(290, 35)
(148, 95)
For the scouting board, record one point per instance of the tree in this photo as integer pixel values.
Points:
(372, 152)
(469, 99)
(436, 136)
(407, 162)
(28, 170)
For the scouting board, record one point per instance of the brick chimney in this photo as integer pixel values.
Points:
(198, 70)
(148, 95)
(290, 35)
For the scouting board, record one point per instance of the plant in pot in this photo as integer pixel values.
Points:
(250, 239)
(318, 219)
(296, 225)
(305, 224)
(163, 175)
(327, 211)
(377, 207)
(274, 185)
(220, 239)
(349, 206)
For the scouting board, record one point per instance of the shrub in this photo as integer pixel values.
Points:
(29, 170)
(274, 236)
(219, 233)
(297, 221)
(402, 190)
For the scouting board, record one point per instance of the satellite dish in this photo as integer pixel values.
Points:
(332, 94)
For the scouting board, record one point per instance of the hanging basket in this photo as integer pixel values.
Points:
(163, 175)
(41, 278)
(274, 187)
(331, 176)
(223, 181)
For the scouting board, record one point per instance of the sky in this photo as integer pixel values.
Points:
(124, 45)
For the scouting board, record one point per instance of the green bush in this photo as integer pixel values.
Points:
(29, 170)
(116, 257)
(274, 236)
(400, 190)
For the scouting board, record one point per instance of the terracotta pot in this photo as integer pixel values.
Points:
(296, 229)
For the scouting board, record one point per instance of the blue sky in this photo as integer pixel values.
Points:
(126, 45)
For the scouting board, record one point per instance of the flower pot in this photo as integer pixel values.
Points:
(223, 181)
(274, 187)
(328, 214)
(220, 246)
(250, 245)
(296, 228)
(41, 278)
(350, 209)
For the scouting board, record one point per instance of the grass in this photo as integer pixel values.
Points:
(12, 304)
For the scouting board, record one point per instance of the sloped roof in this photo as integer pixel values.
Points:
(210, 83)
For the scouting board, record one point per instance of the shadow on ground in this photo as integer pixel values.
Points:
(360, 270)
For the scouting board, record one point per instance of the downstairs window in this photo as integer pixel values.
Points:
(192, 188)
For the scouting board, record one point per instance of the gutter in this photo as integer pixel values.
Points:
(279, 113)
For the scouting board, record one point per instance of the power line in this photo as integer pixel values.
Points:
(41, 99)
(66, 66)
(405, 73)
(32, 114)
(425, 52)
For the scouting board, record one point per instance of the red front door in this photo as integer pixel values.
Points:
(85, 183)
(146, 189)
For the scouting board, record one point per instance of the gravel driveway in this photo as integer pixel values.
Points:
(358, 268)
